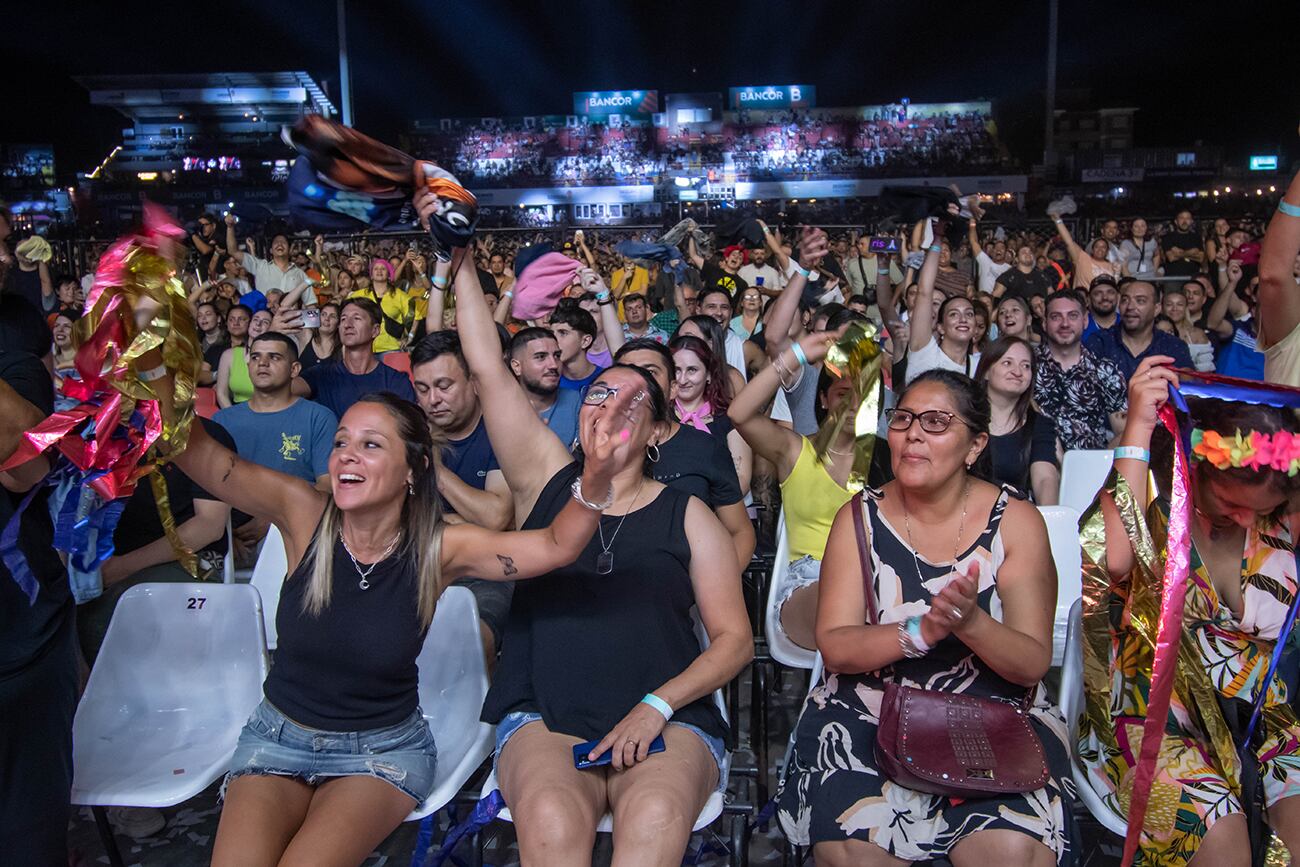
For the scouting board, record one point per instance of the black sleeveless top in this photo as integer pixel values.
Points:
(352, 668)
(582, 648)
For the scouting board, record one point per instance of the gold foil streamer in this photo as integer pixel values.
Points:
(143, 274)
(856, 356)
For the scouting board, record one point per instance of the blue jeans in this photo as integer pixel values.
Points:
(402, 755)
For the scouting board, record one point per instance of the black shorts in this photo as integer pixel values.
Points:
(493, 599)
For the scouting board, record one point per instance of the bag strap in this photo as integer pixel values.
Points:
(864, 557)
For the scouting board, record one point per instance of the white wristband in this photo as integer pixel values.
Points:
(658, 704)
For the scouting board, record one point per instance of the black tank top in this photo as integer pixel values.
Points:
(351, 668)
(582, 648)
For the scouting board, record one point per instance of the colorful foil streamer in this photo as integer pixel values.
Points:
(116, 434)
(1170, 631)
(855, 356)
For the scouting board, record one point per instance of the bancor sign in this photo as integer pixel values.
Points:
(773, 96)
(638, 103)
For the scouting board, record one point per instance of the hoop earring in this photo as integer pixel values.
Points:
(652, 452)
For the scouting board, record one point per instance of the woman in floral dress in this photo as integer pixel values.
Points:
(970, 569)
(1240, 584)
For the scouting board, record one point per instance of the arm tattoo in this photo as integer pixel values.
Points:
(507, 565)
(230, 469)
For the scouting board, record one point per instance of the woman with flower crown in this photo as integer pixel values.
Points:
(1244, 464)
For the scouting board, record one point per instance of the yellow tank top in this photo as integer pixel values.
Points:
(811, 498)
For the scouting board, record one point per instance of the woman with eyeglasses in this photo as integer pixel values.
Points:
(749, 320)
(940, 339)
(604, 648)
(965, 591)
(1022, 441)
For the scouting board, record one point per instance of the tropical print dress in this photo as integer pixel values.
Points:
(1197, 770)
(832, 790)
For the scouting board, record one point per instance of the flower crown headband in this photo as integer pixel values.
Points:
(1254, 450)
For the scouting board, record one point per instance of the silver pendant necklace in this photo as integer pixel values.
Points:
(956, 548)
(605, 559)
(364, 583)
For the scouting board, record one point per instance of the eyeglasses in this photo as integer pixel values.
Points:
(933, 421)
(598, 394)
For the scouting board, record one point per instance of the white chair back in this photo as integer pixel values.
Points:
(1083, 472)
(179, 672)
(453, 684)
(268, 577)
(783, 650)
(228, 562)
(1072, 705)
(1063, 533)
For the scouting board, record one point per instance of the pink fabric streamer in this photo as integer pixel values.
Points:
(695, 418)
(1173, 595)
(542, 284)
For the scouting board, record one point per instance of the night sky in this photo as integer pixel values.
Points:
(1221, 73)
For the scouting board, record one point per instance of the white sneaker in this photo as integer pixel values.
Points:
(137, 822)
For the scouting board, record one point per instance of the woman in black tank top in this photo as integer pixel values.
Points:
(338, 753)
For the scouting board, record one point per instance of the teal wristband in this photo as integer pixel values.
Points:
(1135, 453)
(440, 281)
(914, 633)
(800, 270)
(937, 248)
(1289, 209)
(799, 355)
(658, 704)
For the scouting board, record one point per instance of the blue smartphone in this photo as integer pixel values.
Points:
(581, 751)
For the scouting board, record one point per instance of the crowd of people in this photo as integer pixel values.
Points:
(798, 145)
(494, 421)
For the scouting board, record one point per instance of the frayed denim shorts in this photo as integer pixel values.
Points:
(402, 755)
(513, 722)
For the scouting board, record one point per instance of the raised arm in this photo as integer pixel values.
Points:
(693, 252)
(232, 243)
(606, 306)
(769, 440)
(1216, 319)
(921, 323)
(772, 238)
(433, 318)
(1064, 234)
(1279, 295)
(813, 247)
(973, 236)
(472, 551)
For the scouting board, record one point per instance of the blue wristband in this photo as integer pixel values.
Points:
(914, 633)
(937, 248)
(1135, 453)
(799, 355)
(1289, 209)
(658, 704)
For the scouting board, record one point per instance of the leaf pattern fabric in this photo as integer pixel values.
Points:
(832, 789)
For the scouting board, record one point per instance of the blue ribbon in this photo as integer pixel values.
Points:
(14, 559)
(484, 813)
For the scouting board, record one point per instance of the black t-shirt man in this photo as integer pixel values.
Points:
(471, 459)
(713, 275)
(1022, 285)
(38, 665)
(1183, 240)
(26, 284)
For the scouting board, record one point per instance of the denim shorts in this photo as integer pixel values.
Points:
(802, 573)
(272, 744)
(513, 722)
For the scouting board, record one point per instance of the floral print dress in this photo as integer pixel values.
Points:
(1191, 790)
(832, 789)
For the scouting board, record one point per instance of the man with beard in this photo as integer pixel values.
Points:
(1085, 395)
(469, 478)
(535, 360)
(761, 274)
(1103, 298)
(1182, 249)
(1025, 279)
(1135, 337)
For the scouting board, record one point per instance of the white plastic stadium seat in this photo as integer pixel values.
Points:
(453, 684)
(180, 670)
(269, 572)
(1083, 472)
(1072, 704)
(1063, 533)
(782, 649)
(228, 561)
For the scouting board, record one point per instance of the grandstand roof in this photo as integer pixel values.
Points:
(276, 97)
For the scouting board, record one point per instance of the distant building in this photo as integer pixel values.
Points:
(1094, 129)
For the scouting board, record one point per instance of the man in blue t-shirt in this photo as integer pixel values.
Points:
(535, 361)
(274, 428)
(339, 384)
(1135, 336)
(473, 489)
